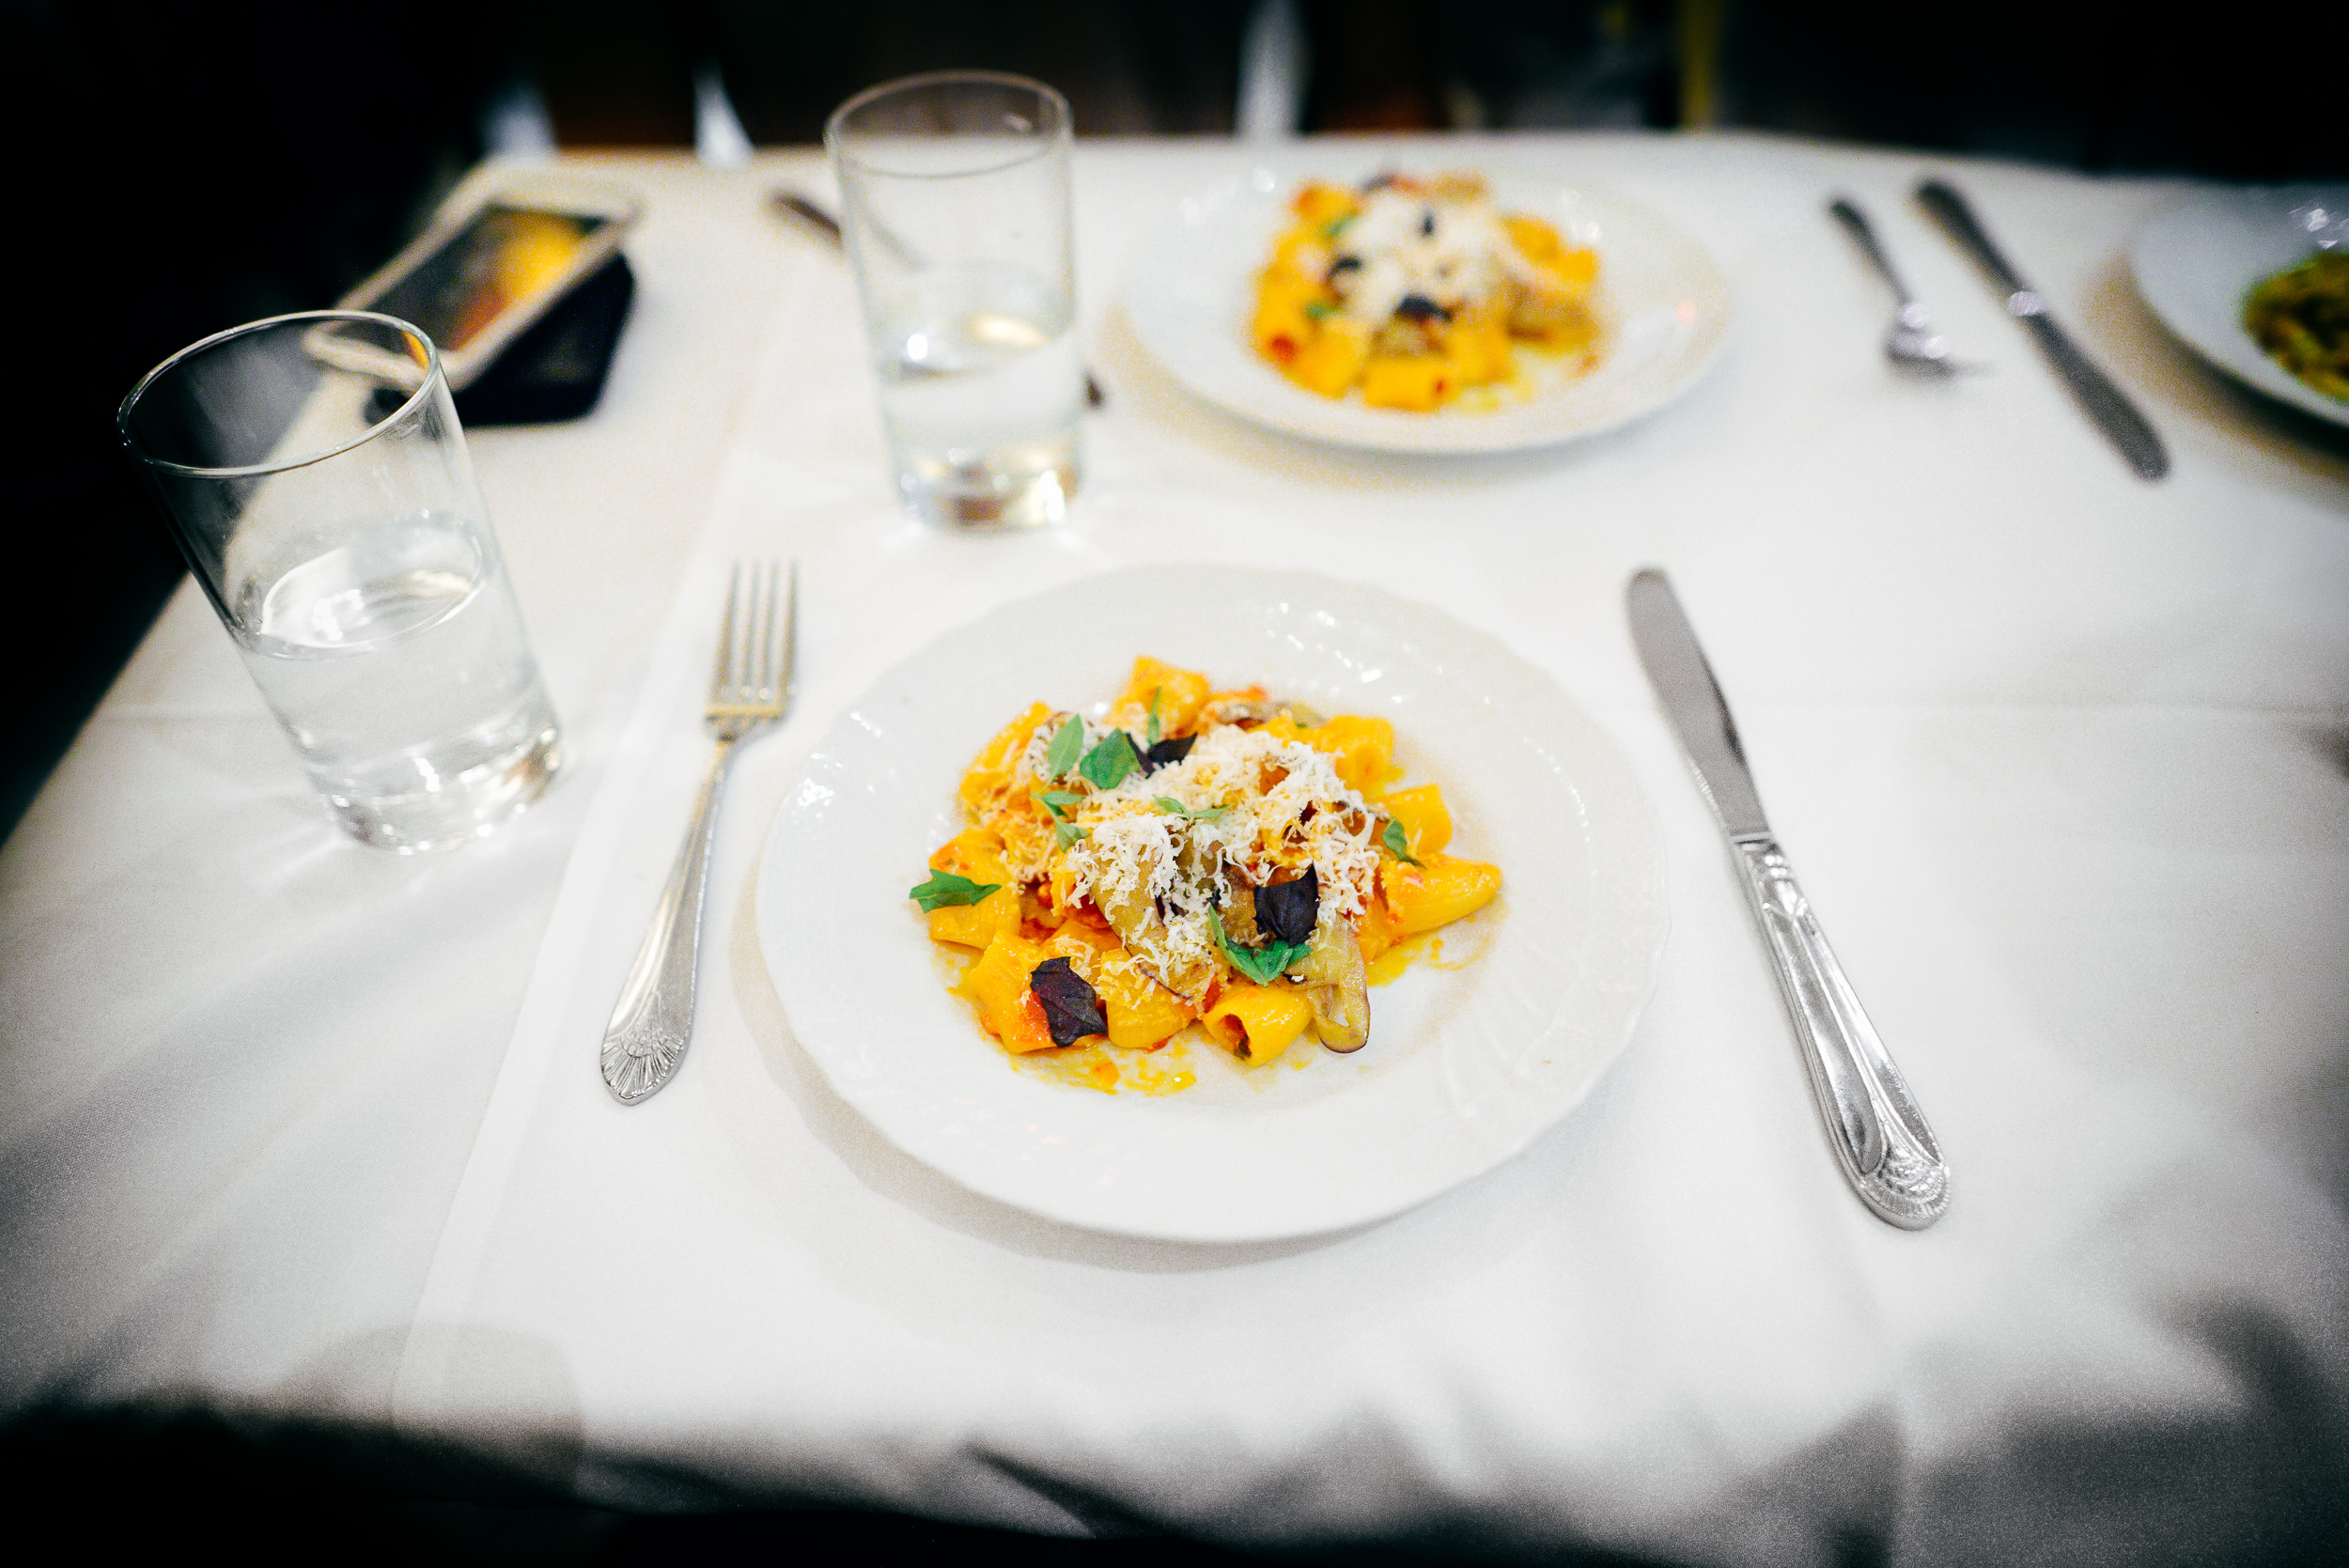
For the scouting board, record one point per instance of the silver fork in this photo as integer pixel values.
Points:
(750, 690)
(1911, 344)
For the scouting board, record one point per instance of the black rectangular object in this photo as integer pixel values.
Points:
(556, 371)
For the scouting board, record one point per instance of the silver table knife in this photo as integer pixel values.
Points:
(2105, 403)
(1880, 1136)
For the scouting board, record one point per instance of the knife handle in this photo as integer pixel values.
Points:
(2140, 445)
(1957, 215)
(1880, 1136)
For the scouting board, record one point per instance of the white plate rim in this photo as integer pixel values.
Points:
(1345, 1156)
(1192, 341)
(2201, 308)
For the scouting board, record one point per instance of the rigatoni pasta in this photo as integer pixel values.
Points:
(1413, 292)
(1194, 856)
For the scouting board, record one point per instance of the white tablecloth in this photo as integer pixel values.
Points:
(288, 1126)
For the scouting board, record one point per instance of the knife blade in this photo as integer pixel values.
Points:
(2102, 401)
(1880, 1136)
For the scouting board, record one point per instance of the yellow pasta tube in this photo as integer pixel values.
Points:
(1320, 202)
(1258, 1021)
(1178, 693)
(1332, 358)
(977, 925)
(1576, 269)
(1422, 897)
(975, 852)
(1427, 822)
(1374, 930)
(999, 984)
(1419, 382)
(1478, 346)
(1282, 327)
(991, 771)
(1362, 749)
(1140, 1013)
(1082, 945)
(1535, 240)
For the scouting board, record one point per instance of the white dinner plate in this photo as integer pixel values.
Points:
(2197, 258)
(1467, 1061)
(1189, 291)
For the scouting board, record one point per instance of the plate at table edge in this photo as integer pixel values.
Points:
(1189, 290)
(1466, 1066)
(2196, 259)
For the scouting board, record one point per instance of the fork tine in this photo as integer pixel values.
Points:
(763, 663)
(721, 676)
(758, 644)
(773, 632)
(746, 651)
(746, 648)
(790, 639)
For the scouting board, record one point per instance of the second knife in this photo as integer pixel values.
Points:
(1880, 1136)
(2105, 403)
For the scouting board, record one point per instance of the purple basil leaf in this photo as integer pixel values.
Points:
(1071, 1007)
(1174, 748)
(1288, 911)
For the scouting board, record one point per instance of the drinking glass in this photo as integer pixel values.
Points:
(955, 208)
(316, 479)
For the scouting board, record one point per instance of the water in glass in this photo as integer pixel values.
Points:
(982, 394)
(397, 663)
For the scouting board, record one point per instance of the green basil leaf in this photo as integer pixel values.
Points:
(1262, 965)
(1173, 807)
(1274, 961)
(1068, 832)
(1151, 728)
(1240, 959)
(1057, 801)
(1392, 838)
(1067, 746)
(1106, 766)
(946, 888)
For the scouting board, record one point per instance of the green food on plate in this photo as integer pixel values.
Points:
(2300, 317)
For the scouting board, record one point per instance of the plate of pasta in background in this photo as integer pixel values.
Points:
(2255, 279)
(1435, 309)
(1246, 905)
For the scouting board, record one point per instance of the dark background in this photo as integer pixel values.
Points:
(183, 168)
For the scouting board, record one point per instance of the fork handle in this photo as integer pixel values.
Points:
(1856, 222)
(654, 1018)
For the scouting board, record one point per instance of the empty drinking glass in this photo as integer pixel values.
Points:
(315, 478)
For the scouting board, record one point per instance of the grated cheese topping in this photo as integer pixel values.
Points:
(1446, 245)
(1135, 852)
(1030, 768)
